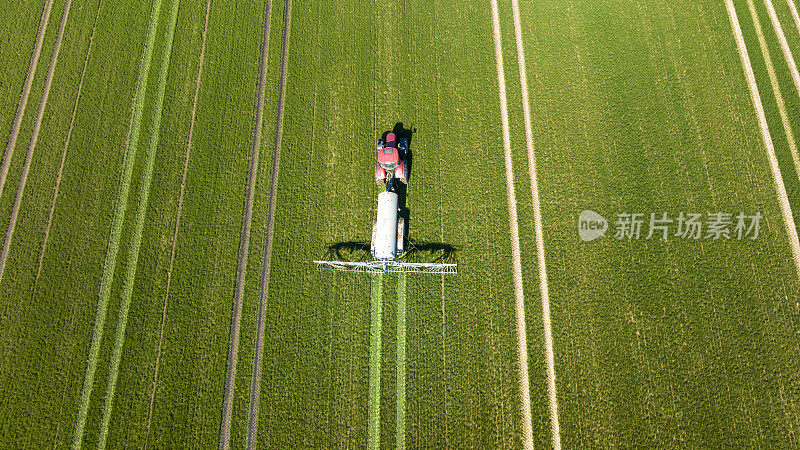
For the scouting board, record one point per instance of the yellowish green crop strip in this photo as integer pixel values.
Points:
(400, 429)
(375, 362)
(116, 228)
(133, 259)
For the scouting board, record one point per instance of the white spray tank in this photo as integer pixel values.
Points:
(388, 228)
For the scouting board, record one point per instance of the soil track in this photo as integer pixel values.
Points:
(12, 222)
(537, 225)
(241, 269)
(776, 89)
(252, 420)
(795, 17)
(26, 90)
(522, 344)
(783, 198)
(178, 214)
(787, 53)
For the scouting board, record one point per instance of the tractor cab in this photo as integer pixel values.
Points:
(388, 155)
(391, 159)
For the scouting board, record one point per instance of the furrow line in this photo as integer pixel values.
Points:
(178, 215)
(255, 381)
(64, 151)
(12, 221)
(783, 198)
(537, 224)
(522, 345)
(120, 205)
(26, 90)
(241, 269)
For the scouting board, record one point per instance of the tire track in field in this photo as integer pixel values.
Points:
(120, 205)
(787, 53)
(12, 221)
(64, 150)
(776, 89)
(136, 241)
(241, 269)
(255, 384)
(522, 345)
(795, 17)
(374, 435)
(26, 90)
(178, 214)
(783, 198)
(537, 224)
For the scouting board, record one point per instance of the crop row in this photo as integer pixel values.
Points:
(49, 326)
(654, 341)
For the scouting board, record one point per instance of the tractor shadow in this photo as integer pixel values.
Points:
(344, 251)
(437, 252)
(442, 252)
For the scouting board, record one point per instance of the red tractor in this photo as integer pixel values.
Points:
(391, 160)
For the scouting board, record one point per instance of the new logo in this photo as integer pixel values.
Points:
(591, 225)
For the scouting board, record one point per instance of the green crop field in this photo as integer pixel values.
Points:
(618, 182)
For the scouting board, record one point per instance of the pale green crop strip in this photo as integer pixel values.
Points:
(375, 362)
(133, 259)
(116, 227)
(401, 363)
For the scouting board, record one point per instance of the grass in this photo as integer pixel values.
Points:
(334, 123)
(665, 327)
(187, 408)
(17, 39)
(639, 107)
(34, 208)
(334, 307)
(54, 373)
